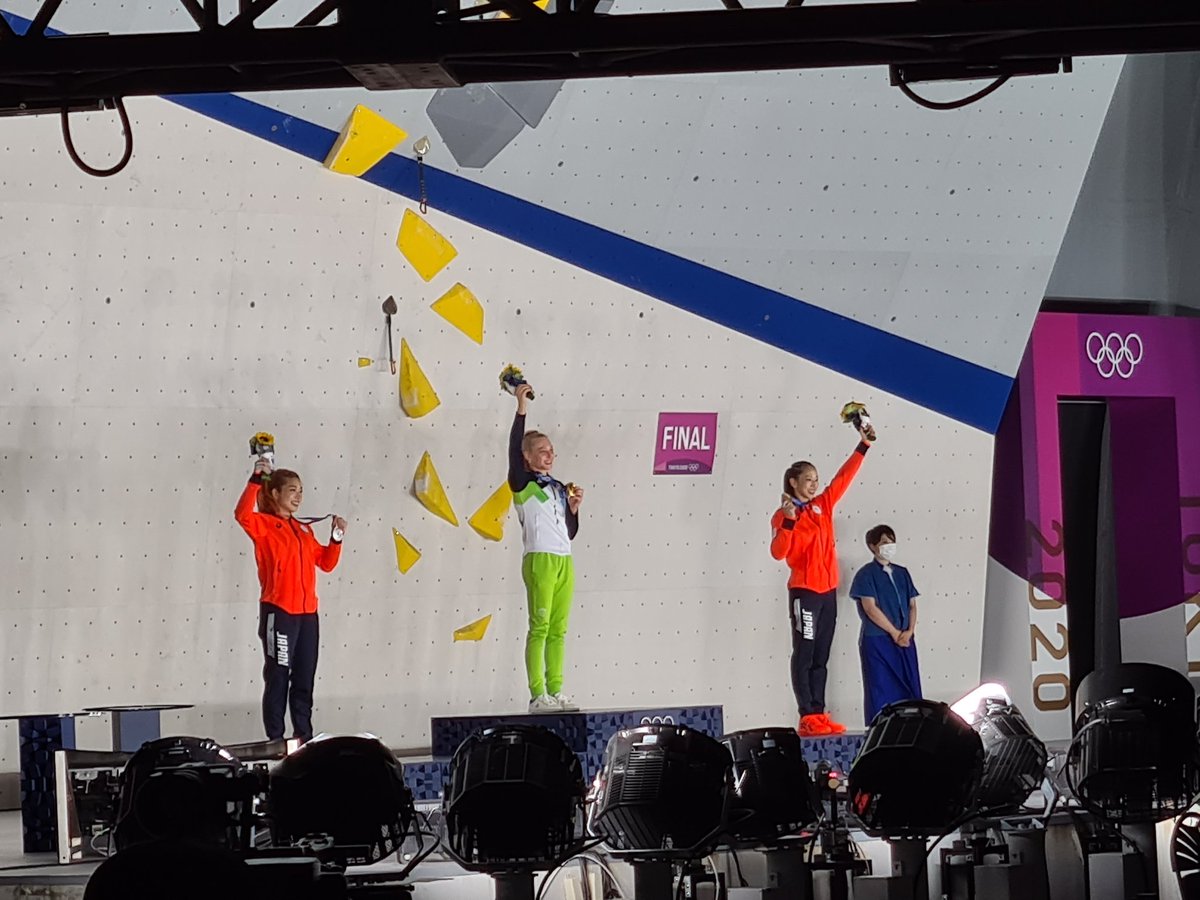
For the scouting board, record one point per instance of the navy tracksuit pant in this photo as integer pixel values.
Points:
(814, 619)
(290, 644)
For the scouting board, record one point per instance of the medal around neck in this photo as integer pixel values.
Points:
(511, 379)
(855, 414)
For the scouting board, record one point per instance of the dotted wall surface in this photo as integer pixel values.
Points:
(826, 185)
(153, 321)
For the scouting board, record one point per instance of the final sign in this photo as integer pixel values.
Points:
(686, 444)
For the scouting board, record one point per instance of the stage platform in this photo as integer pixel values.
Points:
(587, 732)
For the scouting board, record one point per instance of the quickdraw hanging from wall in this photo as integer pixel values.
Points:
(421, 147)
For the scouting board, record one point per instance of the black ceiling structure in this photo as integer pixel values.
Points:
(399, 44)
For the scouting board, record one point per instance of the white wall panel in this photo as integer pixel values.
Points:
(221, 286)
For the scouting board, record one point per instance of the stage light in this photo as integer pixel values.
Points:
(917, 772)
(512, 805)
(1014, 759)
(349, 788)
(968, 707)
(661, 788)
(773, 795)
(183, 788)
(1134, 757)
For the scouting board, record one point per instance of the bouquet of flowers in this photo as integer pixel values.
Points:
(856, 414)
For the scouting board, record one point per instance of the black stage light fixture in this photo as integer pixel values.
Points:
(661, 788)
(513, 804)
(662, 795)
(918, 771)
(1135, 756)
(773, 794)
(1014, 759)
(1185, 854)
(349, 789)
(184, 788)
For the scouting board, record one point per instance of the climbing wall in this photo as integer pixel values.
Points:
(154, 321)
(227, 283)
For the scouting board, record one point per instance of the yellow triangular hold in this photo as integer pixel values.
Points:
(473, 632)
(423, 246)
(364, 361)
(462, 309)
(366, 138)
(540, 4)
(406, 554)
(417, 396)
(488, 520)
(428, 488)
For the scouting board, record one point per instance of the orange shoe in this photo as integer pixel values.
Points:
(834, 727)
(813, 726)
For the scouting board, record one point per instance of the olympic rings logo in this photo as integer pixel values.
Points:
(1114, 354)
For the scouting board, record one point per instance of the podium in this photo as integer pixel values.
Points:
(586, 732)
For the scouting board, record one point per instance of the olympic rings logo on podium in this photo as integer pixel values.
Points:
(658, 720)
(1114, 354)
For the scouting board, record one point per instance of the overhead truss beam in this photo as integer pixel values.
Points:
(395, 44)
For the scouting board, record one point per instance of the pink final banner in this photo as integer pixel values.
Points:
(685, 443)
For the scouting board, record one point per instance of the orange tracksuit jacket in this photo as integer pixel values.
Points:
(807, 542)
(287, 554)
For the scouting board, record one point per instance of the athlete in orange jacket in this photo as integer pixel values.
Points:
(802, 534)
(287, 554)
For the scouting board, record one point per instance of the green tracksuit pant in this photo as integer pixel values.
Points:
(549, 584)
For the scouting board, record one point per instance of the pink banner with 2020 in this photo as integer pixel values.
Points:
(685, 443)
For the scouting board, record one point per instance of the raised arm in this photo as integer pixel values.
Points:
(518, 475)
(845, 475)
(245, 513)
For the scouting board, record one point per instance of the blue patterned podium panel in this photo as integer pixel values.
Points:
(587, 732)
(839, 750)
(39, 737)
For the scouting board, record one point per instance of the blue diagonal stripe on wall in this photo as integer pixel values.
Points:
(931, 378)
(957, 388)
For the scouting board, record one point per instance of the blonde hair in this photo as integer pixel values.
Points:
(530, 437)
(266, 499)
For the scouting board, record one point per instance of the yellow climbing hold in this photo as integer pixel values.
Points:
(462, 309)
(417, 396)
(488, 520)
(364, 361)
(540, 4)
(423, 245)
(366, 138)
(406, 554)
(473, 632)
(428, 488)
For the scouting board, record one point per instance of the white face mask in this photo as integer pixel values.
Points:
(887, 551)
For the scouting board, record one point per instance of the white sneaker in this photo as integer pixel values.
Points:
(565, 703)
(544, 704)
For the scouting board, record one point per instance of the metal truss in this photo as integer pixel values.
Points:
(397, 44)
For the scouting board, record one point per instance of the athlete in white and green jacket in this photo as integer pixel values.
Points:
(549, 515)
